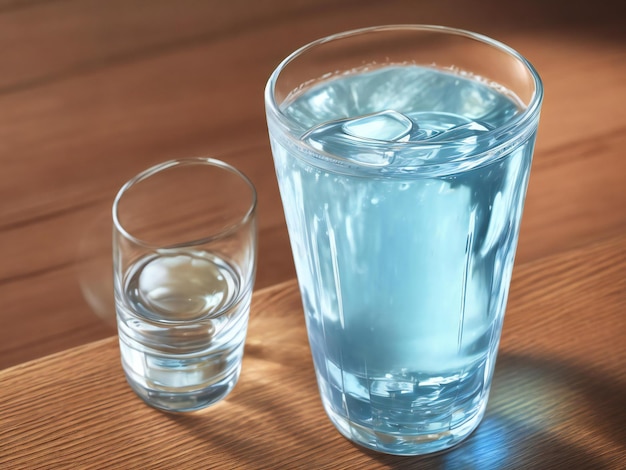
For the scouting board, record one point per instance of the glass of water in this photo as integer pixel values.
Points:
(184, 260)
(403, 155)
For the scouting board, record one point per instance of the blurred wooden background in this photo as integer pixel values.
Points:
(93, 91)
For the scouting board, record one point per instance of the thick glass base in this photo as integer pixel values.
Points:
(180, 401)
(406, 444)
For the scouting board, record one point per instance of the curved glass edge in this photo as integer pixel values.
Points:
(206, 161)
(518, 129)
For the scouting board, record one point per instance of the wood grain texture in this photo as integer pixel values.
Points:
(93, 91)
(554, 403)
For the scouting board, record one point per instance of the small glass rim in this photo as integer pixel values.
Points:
(518, 126)
(158, 168)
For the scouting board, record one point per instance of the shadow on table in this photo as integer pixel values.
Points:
(541, 414)
(530, 399)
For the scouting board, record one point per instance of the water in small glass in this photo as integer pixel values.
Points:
(182, 324)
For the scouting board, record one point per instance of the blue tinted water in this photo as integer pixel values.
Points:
(403, 252)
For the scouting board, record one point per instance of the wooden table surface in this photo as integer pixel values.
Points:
(93, 91)
(558, 399)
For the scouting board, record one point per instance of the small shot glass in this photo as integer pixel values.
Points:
(184, 262)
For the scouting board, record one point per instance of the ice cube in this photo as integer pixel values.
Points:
(469, 130)
(389, 126)
(181, 286)
(364, 139)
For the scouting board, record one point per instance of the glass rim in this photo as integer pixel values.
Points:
(516, 128)
(158, 168)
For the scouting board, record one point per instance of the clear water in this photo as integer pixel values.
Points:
(182, 325)
(404, 255)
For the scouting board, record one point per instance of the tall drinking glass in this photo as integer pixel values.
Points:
(403, 156)
(184, 259)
